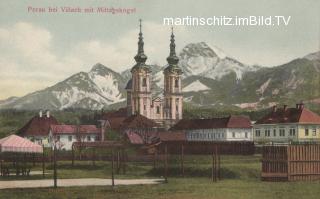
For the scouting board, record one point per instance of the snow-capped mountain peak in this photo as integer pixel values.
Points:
(202, 60)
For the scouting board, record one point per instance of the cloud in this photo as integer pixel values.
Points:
(29, 62)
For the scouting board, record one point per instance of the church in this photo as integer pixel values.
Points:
(166, 110)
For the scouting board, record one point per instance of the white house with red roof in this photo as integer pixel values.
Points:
(283, 125)
(37, 128)
(232, 128)
(66, 135)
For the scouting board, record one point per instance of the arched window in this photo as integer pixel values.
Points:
(176, 83)
(144, 82)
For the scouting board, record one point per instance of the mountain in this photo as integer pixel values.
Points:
(95, 89)
(210, 78)
(201, 60)
(288, 83)
(313, 56)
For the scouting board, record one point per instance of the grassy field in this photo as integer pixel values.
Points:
(240, 179)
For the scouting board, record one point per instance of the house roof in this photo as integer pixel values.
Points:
(14, 143)
(225, 122)
(73, 129)
(122, 112)
(37, 126)
(134, 138)
(290, 115)
(115, 118)
(138, 121)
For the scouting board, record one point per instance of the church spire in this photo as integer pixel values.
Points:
(140, 57)
(172, 59)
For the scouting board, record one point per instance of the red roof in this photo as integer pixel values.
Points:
(290, 115)
(18, 144)
(73, 129)
(122, 112)
(134, 138)
(213, 123)
(37, 126)
(138, 122)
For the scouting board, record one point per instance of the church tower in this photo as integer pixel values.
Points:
(172, 85)
(140, 92)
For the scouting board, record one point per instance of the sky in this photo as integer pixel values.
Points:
(39, 49)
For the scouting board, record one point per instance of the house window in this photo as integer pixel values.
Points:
(274, 132)
(306, 132)
(257, 133)
(144, 82)
(282, 133)
(69, 138)
(233, 134)
(292, 132)
(88, 138)
(176, 83)
(158, 110)
(267, 133)
(246, 134)
(314, 132)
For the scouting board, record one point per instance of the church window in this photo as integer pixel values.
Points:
(144, 107)
(176, 83)
(144, 82)
(158, 110)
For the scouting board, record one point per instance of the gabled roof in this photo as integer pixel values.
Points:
(134, 138)
(74, 129)
(18, 144)
(37, 126)
(290, 115)
(138, 121)
(213, 123)
(121, 112)
(115, 118)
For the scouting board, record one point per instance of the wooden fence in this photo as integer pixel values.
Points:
(291, 163)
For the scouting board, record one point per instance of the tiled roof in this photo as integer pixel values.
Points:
(213, 123)
(134, 138)
(122, 112)
(290, 115)
(73, 129)
(18, 144)
(115, 118)
(37, 126)
(138, 121)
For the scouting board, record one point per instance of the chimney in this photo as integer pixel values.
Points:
(274, 108)
(301, 106)
(48, 113)
(40, 113)
(285, 107)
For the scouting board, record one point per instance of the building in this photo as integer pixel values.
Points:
(232, 128)
(37, 129)
(139, 96)
(66, 135)
(285, 124)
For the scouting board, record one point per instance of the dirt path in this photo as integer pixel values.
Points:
(74, 182)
